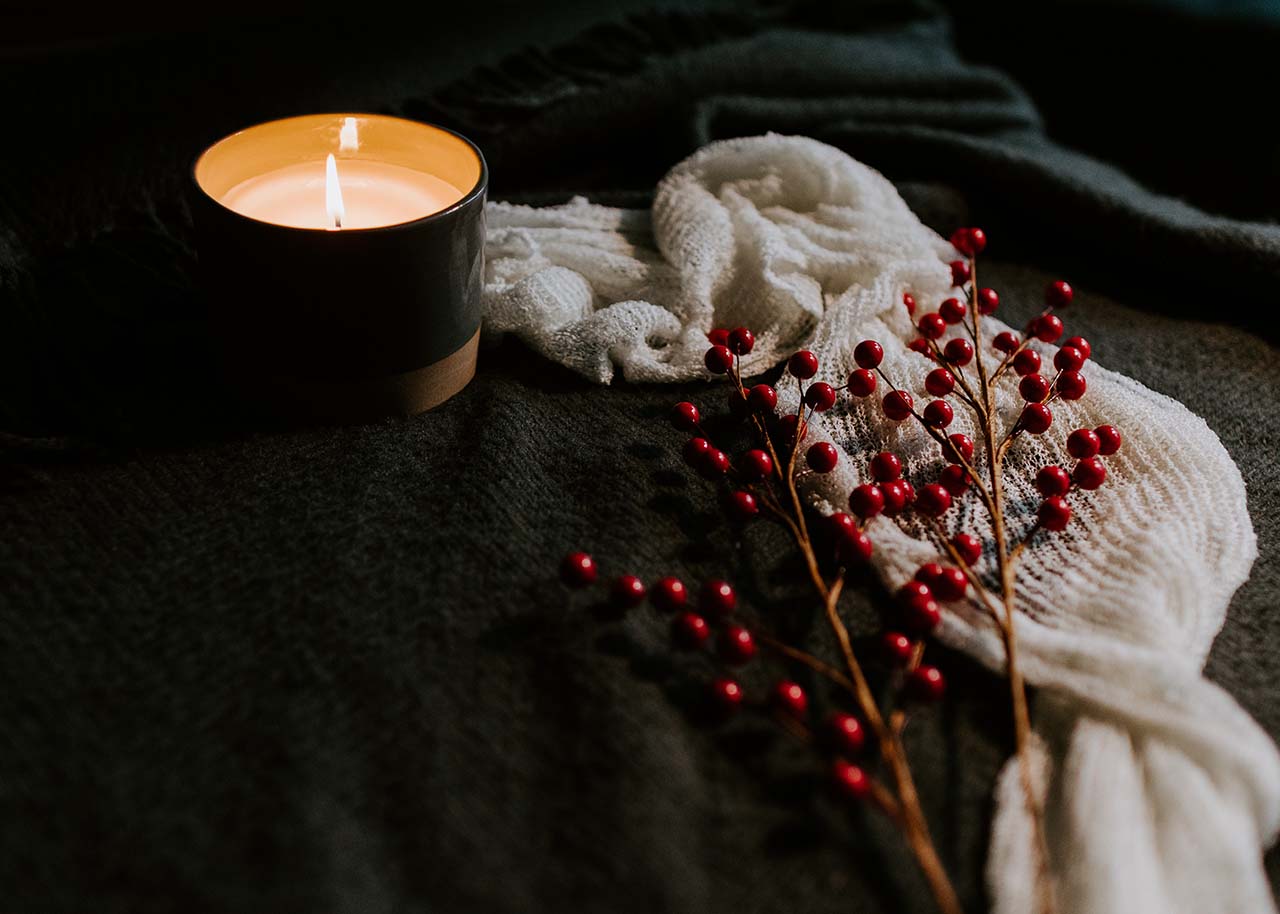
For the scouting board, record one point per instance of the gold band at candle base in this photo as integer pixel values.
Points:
(406, 394)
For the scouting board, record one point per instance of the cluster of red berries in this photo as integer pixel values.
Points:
(1039, 391)
(712, 463)
(726, 347)
(1089, 473)
(755, 465)
(691, 625)
(693, 628)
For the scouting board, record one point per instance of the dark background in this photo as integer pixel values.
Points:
(330, 668)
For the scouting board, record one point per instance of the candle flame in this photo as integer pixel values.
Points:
(349, 136)
(333, 193)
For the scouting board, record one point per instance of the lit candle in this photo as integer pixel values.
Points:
(375, 192)
(344, 254)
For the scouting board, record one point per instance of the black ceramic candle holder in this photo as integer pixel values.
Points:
(355, 322)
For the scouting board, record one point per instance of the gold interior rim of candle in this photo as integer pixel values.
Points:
(277, 144)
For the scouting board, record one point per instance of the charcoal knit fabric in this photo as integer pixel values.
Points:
(331, 669)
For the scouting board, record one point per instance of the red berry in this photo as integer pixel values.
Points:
(1036, 418)
(968, 547)
(862, 383)
(957, 446)
(895, 496)
(938, 414)
(578, 569)
(853, 547)
(1054, 513)
(788, 425)
(896, 648)
(741, 340)
(822, 457)
(1058, 294)
(762, 398)
(927, 574)
(969, 241)
(932, 326)
(1033, 388)
(845, 733)
(789, 698)
(849, 780)
(741, 506)
(866, 501)
(1047, 327)
(755, 465)
(627, 591)
(1005, 342)
(1083, 443)
(933, 500)
(714, 464)
(959, 272)
(839, 523)
(920, 615)
(910, 302)
(940, 382)
(925, 684)
(885, 466)
(726, 695)
(921, 345)
(958, 352)
(916, 589)
(1068, 358)
(1026, 362)
(955, 479)
(718, 359)
(669, 594)
(685, 417)
(988, 301)
(1079, 342)
(868, 354)
(1108, 439)
(908, 491)
(803, 365)
(820, 396)
(953, 310)
(1071, 385)
(736, 646)
(1089, 473)
(695, 451)
(689, 631)
(951, 585)
(1052, 480)
(717, 598)
(719, 337)
(897, 405)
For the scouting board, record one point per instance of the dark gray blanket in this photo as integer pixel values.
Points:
(331, 669)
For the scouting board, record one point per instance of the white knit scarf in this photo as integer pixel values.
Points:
(1159, 791)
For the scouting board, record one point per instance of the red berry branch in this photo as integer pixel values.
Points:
(764, 480)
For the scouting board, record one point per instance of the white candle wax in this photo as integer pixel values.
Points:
(373, 194)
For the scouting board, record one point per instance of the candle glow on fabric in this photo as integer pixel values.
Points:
(346, 193)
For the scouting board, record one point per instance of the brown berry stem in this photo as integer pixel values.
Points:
(821, 667)
(911, 820)
(1008, 631)
(905, 808)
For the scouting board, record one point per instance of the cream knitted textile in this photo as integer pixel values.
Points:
(1159, 791)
